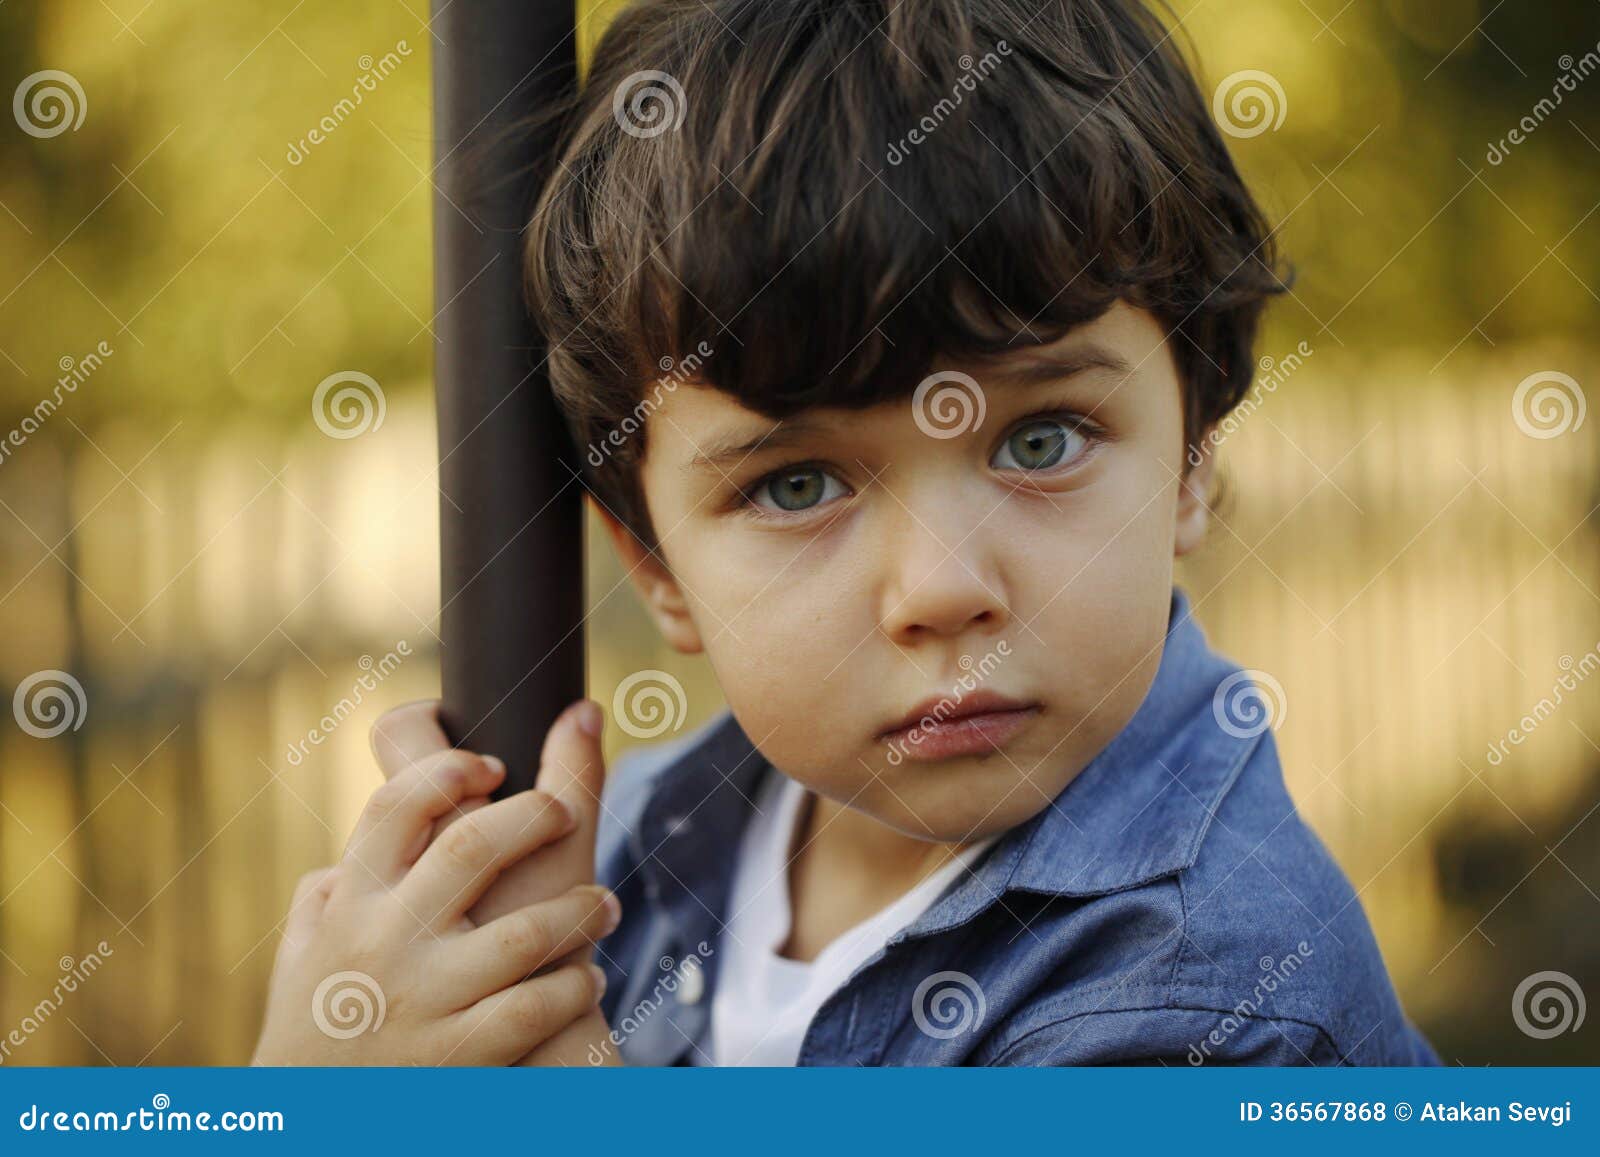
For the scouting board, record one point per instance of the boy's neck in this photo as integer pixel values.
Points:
(845, 866)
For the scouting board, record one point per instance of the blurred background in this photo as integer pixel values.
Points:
(1409, 549)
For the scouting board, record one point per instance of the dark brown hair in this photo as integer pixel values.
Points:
(832, 195)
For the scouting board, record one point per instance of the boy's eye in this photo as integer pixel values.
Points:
(796, 489)
(1039, 444)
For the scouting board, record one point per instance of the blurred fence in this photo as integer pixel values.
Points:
(1414, 559)
(1412, 569)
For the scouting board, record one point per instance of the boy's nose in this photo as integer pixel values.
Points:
(941, 584)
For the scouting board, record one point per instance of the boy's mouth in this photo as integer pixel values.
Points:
(939, 728)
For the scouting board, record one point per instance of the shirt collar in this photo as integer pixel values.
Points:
(1137, 812)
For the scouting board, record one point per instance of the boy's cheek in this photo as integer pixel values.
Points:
(1099, 637)
(775, 636)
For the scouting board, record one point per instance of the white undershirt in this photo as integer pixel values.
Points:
(765, 1002)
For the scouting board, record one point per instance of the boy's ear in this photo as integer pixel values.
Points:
(662, 595)
(1194, 501)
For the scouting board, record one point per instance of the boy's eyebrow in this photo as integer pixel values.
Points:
(1040, 369)
(787, 432)
(1037, 370)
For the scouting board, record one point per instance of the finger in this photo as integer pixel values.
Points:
(403, 736)
(572, 766)
(470, 854)
(572, 769)
(511, 1023)
(465, 808)
(514, 947)
(395, 825)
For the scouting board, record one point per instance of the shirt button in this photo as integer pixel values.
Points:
(678, 825)
(691, 984)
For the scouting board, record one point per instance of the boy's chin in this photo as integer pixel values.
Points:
(958, 801)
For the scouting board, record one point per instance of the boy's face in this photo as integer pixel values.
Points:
(862, 565)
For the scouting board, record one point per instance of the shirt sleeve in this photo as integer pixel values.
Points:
(1177, 1037)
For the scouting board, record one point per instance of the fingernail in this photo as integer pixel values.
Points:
(496, 763)
(599, 980)
(568, 817)
(613, 908)
(590, 719)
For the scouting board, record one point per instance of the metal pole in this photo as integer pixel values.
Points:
(510, 513)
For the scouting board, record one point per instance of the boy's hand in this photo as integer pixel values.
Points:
(571, 770)
(410, 739)
(380, 963)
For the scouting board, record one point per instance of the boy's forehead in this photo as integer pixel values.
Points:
(710, 428)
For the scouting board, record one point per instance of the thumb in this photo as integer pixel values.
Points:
(572, 765)
(571, 768)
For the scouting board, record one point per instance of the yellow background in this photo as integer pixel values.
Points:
(1411, 566)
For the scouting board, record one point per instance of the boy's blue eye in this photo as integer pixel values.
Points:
(796, 489)
(1039, 444)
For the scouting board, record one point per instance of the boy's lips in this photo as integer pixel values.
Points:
(940, 728)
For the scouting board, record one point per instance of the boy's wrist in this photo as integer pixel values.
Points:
(586, 1042)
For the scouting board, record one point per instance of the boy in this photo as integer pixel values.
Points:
(957, 283)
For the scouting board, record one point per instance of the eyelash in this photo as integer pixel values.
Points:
(1094, 434)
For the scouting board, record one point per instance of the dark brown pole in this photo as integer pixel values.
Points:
(510, 514)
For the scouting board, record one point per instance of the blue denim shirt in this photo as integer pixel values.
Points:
(1169, 907)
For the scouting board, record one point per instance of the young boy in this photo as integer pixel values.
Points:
(947, 289)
